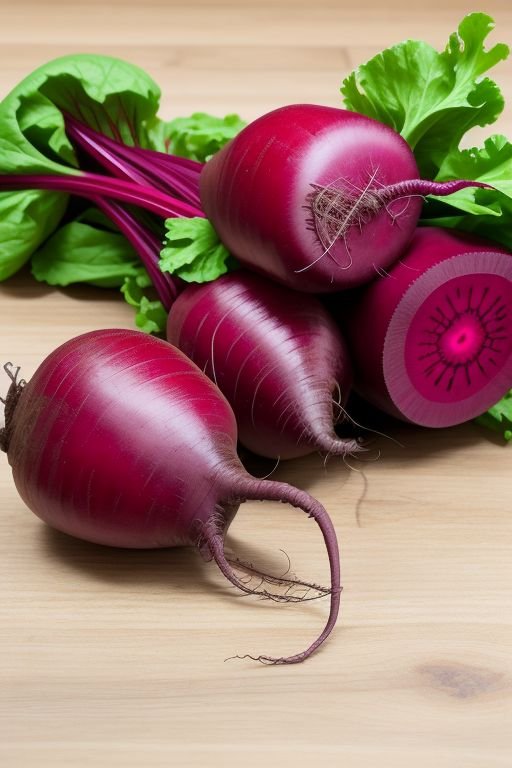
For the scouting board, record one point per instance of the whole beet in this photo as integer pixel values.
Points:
(275, 354)
(119, 439)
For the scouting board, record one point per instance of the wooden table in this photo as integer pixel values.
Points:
(115, 658)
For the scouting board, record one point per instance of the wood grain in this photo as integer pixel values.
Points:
(113, 658)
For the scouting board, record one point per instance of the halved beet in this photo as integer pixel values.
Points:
(431, 343)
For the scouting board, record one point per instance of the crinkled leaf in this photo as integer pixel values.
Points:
(82, 253)
(431, 98)
(193, 251)
(487, 212)
(26, 220)
(491, 164)
(499, 417)
(150, 315)
(197, 137)
(489, 227)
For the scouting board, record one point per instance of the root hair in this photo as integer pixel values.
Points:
(10, 402)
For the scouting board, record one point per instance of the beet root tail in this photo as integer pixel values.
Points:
(275, 491)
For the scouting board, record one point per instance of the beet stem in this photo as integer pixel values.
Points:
(425, 187)
(93, 185)
(143, 166)
(275, 491)
(148, 247)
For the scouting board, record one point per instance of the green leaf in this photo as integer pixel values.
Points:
(110, 95)
(486, 212)
(499, 417)
(491, 164)
(81, 253)
(150, 315)
(197, 137)
(431, 98)
(98, 219)
(99, 90)
(26, 220)
(193, 251)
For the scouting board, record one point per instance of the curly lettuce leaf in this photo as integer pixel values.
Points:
(150, 314)
(193, 251)
(197, 137)
(491, 164)
(432, 99)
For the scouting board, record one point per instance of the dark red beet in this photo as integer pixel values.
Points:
(275, 354)
(432, 342)
(318, 198)
(119, 439)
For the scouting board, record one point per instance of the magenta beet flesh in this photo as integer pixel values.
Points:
(432, 343)
(275, 354)
(119, 439)
(259, 191)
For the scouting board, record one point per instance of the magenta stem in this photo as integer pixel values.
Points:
(92, 185)
(425, 187)
(144, 166)
(147, 246)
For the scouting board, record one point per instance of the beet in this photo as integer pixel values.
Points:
(320, 199)
(119, 439)
(276, 355)
(431, 342)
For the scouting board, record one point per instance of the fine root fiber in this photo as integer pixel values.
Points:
(10, 402)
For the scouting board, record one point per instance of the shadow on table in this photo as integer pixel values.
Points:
(182, 569)
(179, 567)
(388, 441)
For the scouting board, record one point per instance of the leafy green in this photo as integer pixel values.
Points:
(499, 417)
(491, 164)
(82, 253)
(119, 100)
(489, 227)
(486, 212)
(99, 90)
(193, 251)
(431, 98)
(150, 315)
(26, 220)
(200, 136)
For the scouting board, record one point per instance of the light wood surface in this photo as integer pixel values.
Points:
(114, 658)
